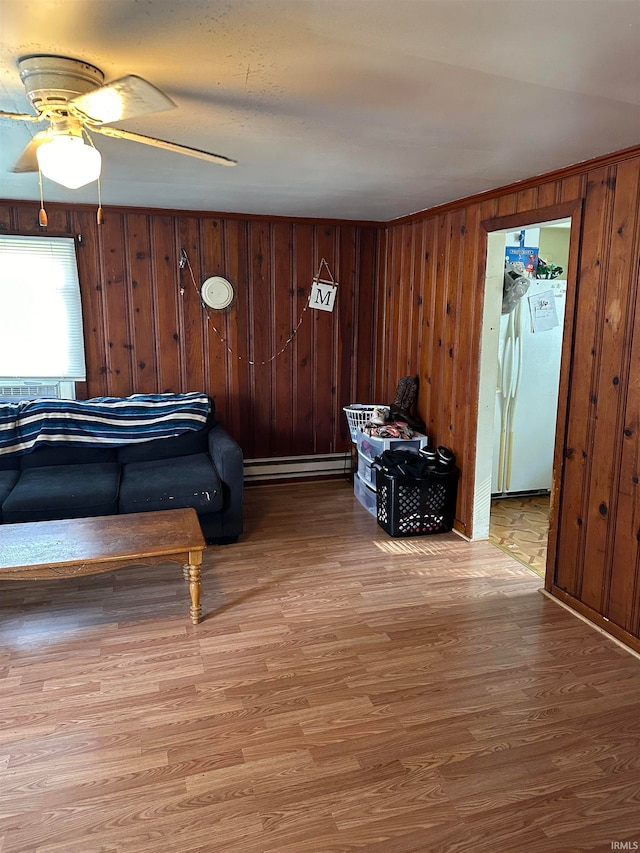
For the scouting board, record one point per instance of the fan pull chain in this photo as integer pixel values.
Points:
(184, 261)
(43, 219)
(99, 214)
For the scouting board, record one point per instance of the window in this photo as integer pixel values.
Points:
(41, 336)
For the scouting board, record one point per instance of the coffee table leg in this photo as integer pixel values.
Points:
(195, 611)
(185, 572)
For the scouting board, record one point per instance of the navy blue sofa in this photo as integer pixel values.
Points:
(202, 469)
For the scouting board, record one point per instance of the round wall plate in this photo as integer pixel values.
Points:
(217, 292)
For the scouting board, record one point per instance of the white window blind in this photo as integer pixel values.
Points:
(40, 310)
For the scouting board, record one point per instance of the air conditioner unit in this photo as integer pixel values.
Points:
(12, 391)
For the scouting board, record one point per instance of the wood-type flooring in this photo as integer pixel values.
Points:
(345, 692)
(520, 525)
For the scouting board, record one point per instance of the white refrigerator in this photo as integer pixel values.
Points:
(527, 389)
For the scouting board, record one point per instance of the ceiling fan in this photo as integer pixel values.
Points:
(71, 95)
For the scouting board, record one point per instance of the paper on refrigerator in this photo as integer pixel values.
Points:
(543, 311)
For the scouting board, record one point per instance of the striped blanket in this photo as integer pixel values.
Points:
(107, 421)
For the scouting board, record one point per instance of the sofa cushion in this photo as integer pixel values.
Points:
(8, 479)
(186, 481)
(65, 455)
(10, 463)
(64, 491)
(185, 444)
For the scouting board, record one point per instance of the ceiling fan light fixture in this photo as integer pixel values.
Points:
(69, 161)
(70, 94)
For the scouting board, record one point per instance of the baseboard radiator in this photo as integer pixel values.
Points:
(293, 467)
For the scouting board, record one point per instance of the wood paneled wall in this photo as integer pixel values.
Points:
(410, 302)
(430, 307)
(143, 336)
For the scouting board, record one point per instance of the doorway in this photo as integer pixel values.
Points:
(521, 347)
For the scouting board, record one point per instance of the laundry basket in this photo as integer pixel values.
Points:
(358, 415)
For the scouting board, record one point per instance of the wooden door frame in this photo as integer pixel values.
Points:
(533, 218)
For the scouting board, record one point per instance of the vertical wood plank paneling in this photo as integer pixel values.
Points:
(457, 343)
(213, 263)
(572, 187)
(468, 360)
(567, 368)
(220, 249)
(26, 220)
(365, 309)
(347, 326)
(452, 325)
(324, 418)
(414, 284)
(623, 606)
(238, 414)
(138, 268)
(6, 218)
(282, 366)
(426, 397)
(92, 297)
(192, 314)
(489, 210)
(598, 510)
(410, 294)
(397, 345)
(207, 319)
(406, 360)
(583, 393)
(611, 384)
(121, 360)
(166, 286)
(304, 340)
(439, 317)
(548, 194)
(381, 316)
(527, 200)
(383, 319)
(622, 373)
(389, 323)
(261, 319)
(507, 204)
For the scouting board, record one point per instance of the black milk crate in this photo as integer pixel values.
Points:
(407, 506)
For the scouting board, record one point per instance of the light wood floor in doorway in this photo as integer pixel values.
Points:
(346, 692)
(521, 527)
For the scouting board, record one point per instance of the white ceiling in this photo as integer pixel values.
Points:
(358, 109)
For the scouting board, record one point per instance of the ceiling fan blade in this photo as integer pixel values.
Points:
(116, 133)
(27, 161)
(124, 98)
(20, 116)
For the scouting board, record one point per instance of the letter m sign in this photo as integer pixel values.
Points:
(323, 295)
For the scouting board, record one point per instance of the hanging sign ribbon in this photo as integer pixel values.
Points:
(323, 293)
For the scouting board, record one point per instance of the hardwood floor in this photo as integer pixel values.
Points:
(345, 692)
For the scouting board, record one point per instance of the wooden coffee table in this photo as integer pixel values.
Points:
(87, 546)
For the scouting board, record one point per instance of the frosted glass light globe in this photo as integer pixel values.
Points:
(67, 160)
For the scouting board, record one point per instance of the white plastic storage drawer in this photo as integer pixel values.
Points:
(365, 495)
(371, 447)
(365, 471)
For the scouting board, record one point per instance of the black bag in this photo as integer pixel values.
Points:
(402, 463)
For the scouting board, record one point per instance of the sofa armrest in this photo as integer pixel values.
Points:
(226, 455)
(228, 460)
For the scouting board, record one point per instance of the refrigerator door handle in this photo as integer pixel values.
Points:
(515, 384)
